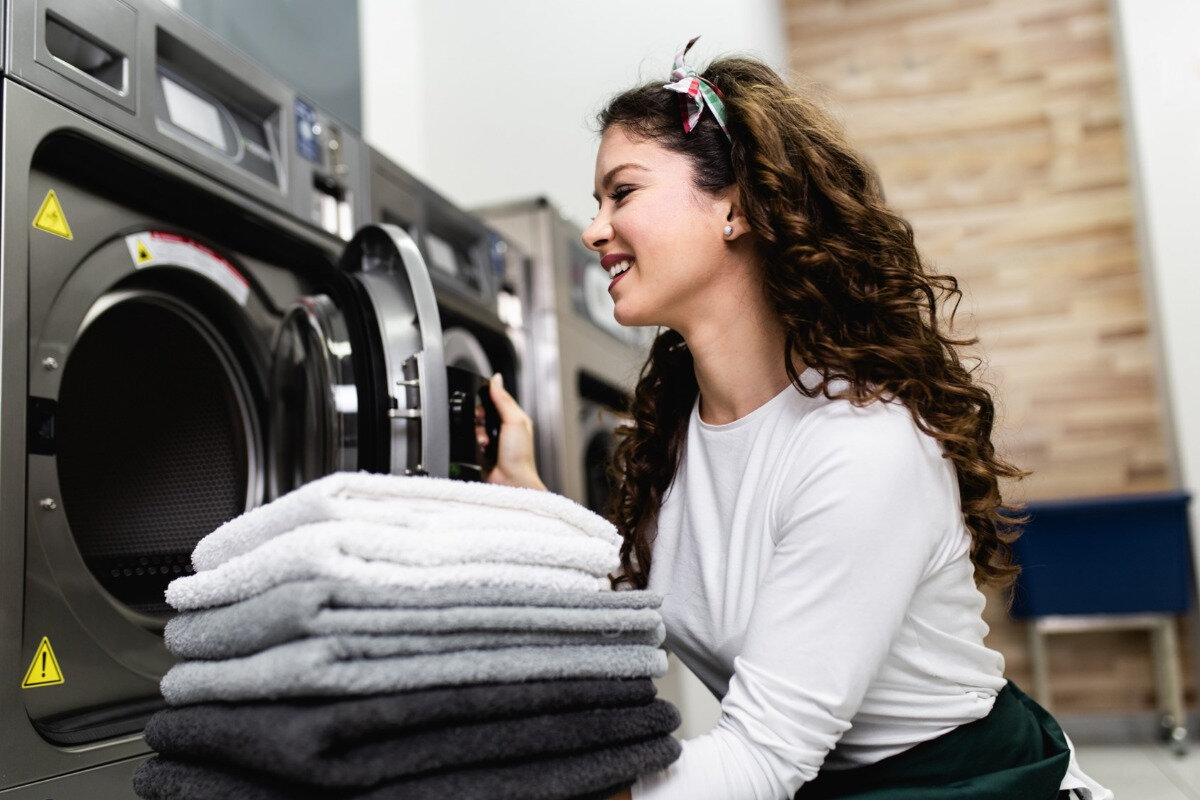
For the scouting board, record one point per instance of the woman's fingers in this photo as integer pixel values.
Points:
(506, 405)
(515, 464)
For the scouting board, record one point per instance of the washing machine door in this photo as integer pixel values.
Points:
(313, 396)
(597, 436)
(463, 351)
(409, 419)
(362, 386)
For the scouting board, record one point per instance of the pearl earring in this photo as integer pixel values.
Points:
(729, 230)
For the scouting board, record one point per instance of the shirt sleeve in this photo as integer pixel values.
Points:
(859, 516)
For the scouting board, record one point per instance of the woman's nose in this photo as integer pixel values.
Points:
(597, 233)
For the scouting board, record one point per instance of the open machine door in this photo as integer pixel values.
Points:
(372, 396)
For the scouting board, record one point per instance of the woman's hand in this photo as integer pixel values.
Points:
(515, 465)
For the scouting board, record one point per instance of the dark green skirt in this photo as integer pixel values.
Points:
(1016, 752)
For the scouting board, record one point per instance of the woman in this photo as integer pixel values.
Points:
(809, 480)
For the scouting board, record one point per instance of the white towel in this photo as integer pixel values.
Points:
(429, 504)
(376, 542)
(366, 551)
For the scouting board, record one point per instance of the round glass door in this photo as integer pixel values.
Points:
(313, 396)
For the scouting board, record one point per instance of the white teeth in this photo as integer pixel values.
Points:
(618, 268)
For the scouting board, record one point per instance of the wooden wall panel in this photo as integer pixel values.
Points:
(996, 126)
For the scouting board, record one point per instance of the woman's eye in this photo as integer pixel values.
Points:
(620, 192)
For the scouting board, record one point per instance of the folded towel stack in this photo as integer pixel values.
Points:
(373, 636)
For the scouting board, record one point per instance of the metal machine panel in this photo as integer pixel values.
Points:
(144, 69)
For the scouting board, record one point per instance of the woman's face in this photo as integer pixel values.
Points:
(654, 219)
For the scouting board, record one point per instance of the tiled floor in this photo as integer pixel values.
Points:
(1143, 772)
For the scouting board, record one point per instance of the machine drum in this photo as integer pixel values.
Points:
(154, 444)
(596, 459)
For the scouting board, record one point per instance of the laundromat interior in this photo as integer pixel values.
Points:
(340, 219)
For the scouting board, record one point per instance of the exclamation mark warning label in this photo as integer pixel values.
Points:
(44, 671)
(51, 219)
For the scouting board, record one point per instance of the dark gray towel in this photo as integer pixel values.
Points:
(605, 793)
(558, 778)
(318, 608)
(268, 731)
(303, 747)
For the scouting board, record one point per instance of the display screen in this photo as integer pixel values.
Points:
(193, 114)
(441, 254)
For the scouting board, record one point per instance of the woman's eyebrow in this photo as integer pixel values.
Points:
(608, 176)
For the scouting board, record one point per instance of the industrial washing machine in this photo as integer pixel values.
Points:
(185, 333)
(471, 268)
(582, 364)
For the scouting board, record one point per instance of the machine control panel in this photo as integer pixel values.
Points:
(167, 82)
(323, 145)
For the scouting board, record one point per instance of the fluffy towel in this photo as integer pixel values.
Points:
(330, 666)
(248, 575)
(309, 608)
(347, 545)
(558, 778)
(388, 646)
(427, 504)
(378, 542)
(283, 746)
(303, 730)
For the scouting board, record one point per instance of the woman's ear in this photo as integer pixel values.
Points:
(734, 223)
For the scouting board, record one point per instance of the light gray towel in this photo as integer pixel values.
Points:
(308, 608)
(428, 504)
(342, 666)
(247, 576)
(411, 644)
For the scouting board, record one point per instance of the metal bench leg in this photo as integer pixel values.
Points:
(1170, 683)
(1039, 662)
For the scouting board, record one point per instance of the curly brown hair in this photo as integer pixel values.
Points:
(843, 275)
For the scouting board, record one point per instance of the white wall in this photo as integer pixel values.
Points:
(1159, 44)
(493, 101)
(393, 81)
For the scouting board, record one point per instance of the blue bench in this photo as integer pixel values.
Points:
(1108, 563)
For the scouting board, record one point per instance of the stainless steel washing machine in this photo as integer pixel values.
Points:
(185, 333)
(582, 364)
(472, 269)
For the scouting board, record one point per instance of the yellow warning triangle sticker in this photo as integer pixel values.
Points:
(143, 254)
(44, 671)
(51, 219)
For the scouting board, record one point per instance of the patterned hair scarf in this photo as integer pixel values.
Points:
(695, 92)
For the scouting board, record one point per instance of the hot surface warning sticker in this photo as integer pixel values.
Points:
(50, 217)
(161, 249)
(44, 671)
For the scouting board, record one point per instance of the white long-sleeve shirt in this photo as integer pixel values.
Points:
(814, 566)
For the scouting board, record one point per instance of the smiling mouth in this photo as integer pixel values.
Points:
(617, 271)
(620, 268)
